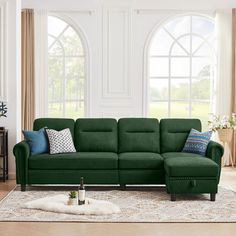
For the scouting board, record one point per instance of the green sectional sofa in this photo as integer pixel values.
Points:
(130, 151)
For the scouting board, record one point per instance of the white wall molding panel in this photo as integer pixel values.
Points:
(116, 52)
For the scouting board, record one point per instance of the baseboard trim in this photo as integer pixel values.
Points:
(11, 175)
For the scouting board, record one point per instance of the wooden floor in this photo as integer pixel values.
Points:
(228, 179)
(6, 187)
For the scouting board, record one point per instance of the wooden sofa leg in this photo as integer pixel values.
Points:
(123, 186)
(23, 187)
(172, 197)
(213, 197)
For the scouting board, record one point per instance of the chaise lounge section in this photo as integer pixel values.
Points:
(188, 172)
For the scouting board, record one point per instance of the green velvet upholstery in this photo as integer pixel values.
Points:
(75, 161)
(190, 173)
(142, 176)
(178, 164)
(96, 135)
(73, 176)
(179, 154)
(174, 133)
(215, 151)
(130, 151)
(191, 185)
(55, 123)
(139, 135)
(22, 152)
(140, 160)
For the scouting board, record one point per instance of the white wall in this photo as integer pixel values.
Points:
(12, 122)
(116, 31)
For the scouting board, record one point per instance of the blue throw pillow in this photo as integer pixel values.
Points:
(197, 142)
(37, 141)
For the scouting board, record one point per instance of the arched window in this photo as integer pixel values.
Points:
(181, 68)
(66, 70)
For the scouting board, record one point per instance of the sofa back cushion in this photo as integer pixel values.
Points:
(174, 133)
(55, 123)
(139, 135)
(96, 135)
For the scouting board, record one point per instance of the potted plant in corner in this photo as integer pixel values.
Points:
(224, 127)
(72, 198)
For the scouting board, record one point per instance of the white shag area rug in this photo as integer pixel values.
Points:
(58, 204)
(135, 204)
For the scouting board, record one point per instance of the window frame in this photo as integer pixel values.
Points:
(146, 64)
(80, 32)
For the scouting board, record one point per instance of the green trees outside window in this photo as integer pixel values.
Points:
(181, 69)
(66, 70)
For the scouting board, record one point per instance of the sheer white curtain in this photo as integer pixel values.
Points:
(224, 66)
(41, 61)
(224, 61)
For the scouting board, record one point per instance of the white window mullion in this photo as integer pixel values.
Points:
(190, 69)
(169, 88)
(58, 37)
(64, 86)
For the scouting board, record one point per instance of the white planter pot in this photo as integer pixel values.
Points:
(72, 201)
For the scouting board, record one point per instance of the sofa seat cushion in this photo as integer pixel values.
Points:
(178, 164)
(140, 160)
(75, 161)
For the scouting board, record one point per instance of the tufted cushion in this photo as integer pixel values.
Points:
(174, 133)
(139, 135)
(96, 135)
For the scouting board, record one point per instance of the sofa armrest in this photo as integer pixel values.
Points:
(22, 152)
(215, 151)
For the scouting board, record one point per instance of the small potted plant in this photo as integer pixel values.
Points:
(72, 198)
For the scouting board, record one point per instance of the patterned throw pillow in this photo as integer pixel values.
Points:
(197, 142)
(60, 141)
(37, 141)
